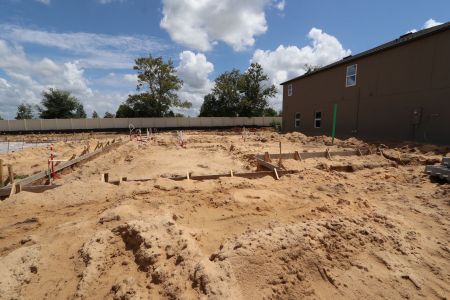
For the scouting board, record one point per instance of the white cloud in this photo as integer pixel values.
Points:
(25, 79)
(103, 102)
(93, 50)
(46, 2)
(287, 62)
(428, 24)
(110, 1)
(118, 81)
(281, 5)
(431, 23)
(194, 70)
(131, 78)
(201, 24)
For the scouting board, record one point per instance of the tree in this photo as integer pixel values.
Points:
(59, 104)
(270, 112)
(94, 115)
(311, 68)
(210, 107)
(159, 85)
(142, 105)
(225, 96)
(1, 118)
(235, 94)
(108, 115)
(80, 113)
(256, 92)
(24, 111)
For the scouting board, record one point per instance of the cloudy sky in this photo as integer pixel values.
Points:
(88, 46)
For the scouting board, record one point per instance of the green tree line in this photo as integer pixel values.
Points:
(234, 94)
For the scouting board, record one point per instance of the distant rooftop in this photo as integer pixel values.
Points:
(403, 39)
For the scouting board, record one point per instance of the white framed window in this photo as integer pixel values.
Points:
(317, 119)
(290, 89)
(350, 78)
(297, 119)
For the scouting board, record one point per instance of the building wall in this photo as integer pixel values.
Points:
(390, 86)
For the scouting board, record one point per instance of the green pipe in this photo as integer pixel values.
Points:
(333, 132)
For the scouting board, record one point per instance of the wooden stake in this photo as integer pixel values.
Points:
(105, 177)
(11, 174)
(267, 157)
(122, 179)
(13, 190)
(327, 153)
(297, 156)
(276, 174)
(231, 173)
(280, 152)
(187, 175)
(1, 173)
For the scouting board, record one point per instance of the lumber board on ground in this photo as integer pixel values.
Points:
(306, 155)
(250, 175)
(29, 188)
(266, 164)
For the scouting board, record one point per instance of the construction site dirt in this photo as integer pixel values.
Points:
(320, 221)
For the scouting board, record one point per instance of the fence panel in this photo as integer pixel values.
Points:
(49, 124)
(64, 124)
(123, 123)
(17, 125)
(32, 124)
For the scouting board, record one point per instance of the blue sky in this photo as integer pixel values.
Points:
(88, 46)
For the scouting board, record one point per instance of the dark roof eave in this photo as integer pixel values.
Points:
(389, 45)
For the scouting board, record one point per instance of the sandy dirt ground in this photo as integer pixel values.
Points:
(359, 227)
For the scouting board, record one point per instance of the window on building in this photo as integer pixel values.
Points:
(350, 79)
(290, 90)
(317, 119)
(297, 120)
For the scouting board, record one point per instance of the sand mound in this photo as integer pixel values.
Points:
(17, 269)
(290, 260)
(350, 227)
(171, 258)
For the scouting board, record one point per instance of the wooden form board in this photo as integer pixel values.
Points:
(6, 192)
(266, 164)
(249, 175)
(306, 155)
(44, 174)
